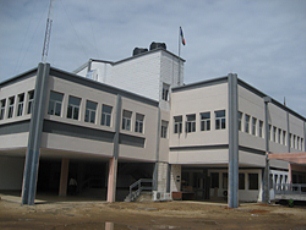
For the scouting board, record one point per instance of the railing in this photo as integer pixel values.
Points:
(288, 189)
(139, 186)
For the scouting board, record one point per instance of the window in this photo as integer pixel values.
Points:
(214, 178)
(90, 114)
(164, 129)
(20, 104)
(205, 121)
(254, 124)
(284, 138)
(139, 123)
(55, 103)
(240, 114)
(279, 136)
(11, 107)
(290, 137)
(220, 119)
(302, 144)
(253, 181)
(294, 142)
(165, 93)
(30, 102)
(178, 124)
(247, 123)
(298, 143)
(274, 133)
(270, 136)
(190, 123)
(241, 181)
(106, 115)
(73, 108)
(260, 129)
(126, 120)
(2, 108)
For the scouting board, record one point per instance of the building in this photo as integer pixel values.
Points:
(109, 124)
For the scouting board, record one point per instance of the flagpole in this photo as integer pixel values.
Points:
(179, 54)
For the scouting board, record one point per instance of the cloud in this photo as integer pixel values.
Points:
(262, 41)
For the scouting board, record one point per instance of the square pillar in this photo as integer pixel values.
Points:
(112, 180)
(176, 178)
(64, 177)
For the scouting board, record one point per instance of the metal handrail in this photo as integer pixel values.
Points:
(285, 188)
(140, 188)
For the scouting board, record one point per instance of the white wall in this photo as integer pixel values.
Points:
(195, 101)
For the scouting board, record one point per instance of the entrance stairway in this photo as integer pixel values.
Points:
(137, 188)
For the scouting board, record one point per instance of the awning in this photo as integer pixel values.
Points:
(296, 158)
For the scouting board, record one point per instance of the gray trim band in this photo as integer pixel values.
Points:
(77, 131)
(16, 127)
(201, 147)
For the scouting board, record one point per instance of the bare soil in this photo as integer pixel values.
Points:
(151, 215)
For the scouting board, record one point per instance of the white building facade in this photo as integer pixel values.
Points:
(109, 124)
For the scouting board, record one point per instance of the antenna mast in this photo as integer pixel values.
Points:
(47, 35)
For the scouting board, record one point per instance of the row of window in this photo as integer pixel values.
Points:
(252, 181)
(15, 105)
(254, 126)
(73, 111)
(205, 122)
(251, 125)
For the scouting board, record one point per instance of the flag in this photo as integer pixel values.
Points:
(182, 36)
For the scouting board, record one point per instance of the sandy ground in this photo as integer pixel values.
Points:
(145, 216)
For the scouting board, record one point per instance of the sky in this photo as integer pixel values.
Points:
(263, 42)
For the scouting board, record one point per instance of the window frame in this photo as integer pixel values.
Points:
(166, 92)
(247, 123)
(191, 123)
(164, 129)
(126, 120)
(20, 104)
(55, 104)
(11, 105)
(205, 121)
(139, 123)
(90, 113)
(75, 108)
(30, 101)
(106, 117)
(178, 124)
(254, 126)
(2, 108)
(253, 185)
(220, 120)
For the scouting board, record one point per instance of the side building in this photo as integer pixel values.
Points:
(200, 139)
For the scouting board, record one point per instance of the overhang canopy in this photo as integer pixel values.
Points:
(296, 158)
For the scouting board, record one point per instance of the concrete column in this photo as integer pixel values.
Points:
(34, 138)
(113, 162)
(64, 177)
(288, 132)
(233, 165)
(266, 171)
(112, 179)
(304, 137)
(176, 178)
(289, 173)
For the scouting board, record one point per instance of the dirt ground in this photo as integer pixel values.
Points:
(147, 216)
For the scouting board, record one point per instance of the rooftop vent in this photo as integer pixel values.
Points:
(157, 45)
(137, 51)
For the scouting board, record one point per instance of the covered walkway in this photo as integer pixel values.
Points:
(296, 188)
